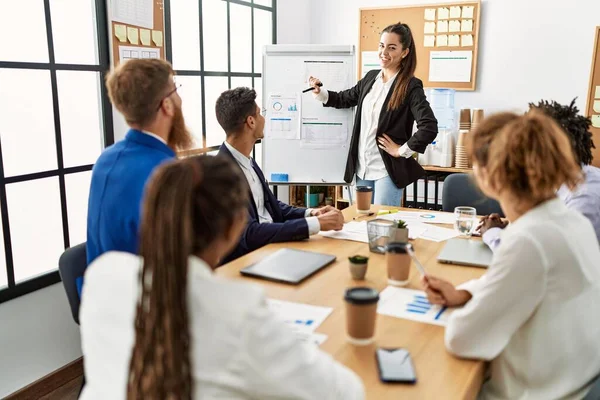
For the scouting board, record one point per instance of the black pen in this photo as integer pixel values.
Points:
(312, 88)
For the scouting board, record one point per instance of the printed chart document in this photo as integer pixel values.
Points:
(134, 12)
(430, 217)
(283, 116)
(411, 304)
(335, 75)
(356, 231)
(303, 318)
(324, 132)
(370, 61)
(450, 66)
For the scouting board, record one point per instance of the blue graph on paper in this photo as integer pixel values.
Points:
(420, 305)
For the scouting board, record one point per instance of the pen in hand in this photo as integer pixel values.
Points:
(312, 88)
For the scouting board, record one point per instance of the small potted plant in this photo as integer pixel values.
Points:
(399, 232)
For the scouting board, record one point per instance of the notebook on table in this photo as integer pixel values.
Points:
(473, 253)
(289, 265)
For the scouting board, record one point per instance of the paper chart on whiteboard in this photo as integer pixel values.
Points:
(450, 66)
(283, 116)
(324, 133)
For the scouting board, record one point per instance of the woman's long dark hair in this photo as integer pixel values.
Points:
(408, 65)
(188, 204)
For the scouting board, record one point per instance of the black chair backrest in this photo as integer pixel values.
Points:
(72, 265)
(594, 393)
(460, 190)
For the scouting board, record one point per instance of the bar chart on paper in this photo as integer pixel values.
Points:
(302, 318)
(411, 304)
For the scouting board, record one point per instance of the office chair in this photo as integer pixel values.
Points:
(460, 190)
(71, 266)
(594, 393)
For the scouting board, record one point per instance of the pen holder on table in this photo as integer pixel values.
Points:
(379, 234)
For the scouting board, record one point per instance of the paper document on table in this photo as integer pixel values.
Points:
(304, 319)
(438, 234)
(411, 304)
(431, 217)
(324, 132)
(283, 116)
(134, 12)
(369, 62)
(354, 231)
(450, 66)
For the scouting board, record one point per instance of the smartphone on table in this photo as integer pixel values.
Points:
(395, 366)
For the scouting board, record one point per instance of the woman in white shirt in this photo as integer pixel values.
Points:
(388, 103)
(534, 314)
(163, 327)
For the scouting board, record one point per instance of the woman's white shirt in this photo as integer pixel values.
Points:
(535, 312)
(240, 349)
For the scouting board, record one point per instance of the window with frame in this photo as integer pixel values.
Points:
(55, 119)
(215, 45)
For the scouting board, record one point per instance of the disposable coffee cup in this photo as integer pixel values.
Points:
(398, 263)
(358, 267)
(361, 314)
(465, 116)
(477, 116)
(364, 195)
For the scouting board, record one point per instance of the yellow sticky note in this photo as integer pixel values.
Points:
(121, 32)
(442, 26)
(597, 106)
(453, 40)
(467, 40)
(429, 41)
(596, 121)
(429, 27)
(454, 26)
(443, 13)
(442, 40)
(132, 35)
(145, 37)
(597, 96)
(157, 38)
(455, 12)
(430, 14)
(467, 25)
(467, 12)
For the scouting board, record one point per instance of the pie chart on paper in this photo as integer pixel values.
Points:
(277, 106)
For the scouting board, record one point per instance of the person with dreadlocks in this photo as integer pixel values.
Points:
(586, 197)
(162, 326)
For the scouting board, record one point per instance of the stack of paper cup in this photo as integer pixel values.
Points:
(465, 119)
(477, 117)
(461, 158)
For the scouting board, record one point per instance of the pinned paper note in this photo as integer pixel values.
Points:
(430, 14)
(145, 37)
(442, 40)
(467, 40)
(442, 26)
(429, 41)
(454, 26)
(121, 32)
(597, 106)
(453, 40)
(132, 35)
(455, 12)
(467, 11)
(597, 95)
(467, 25)
(429, 27)
(596, 121)
(443, 13)
(157, 38)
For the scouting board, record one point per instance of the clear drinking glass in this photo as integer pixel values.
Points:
(465, 220)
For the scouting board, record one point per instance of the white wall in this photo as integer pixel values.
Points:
(528, 50)
(292, 21)
(38, 336)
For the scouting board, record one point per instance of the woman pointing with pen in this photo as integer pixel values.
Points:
(388, 103)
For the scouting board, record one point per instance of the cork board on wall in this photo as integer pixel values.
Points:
(446, 38)
(593, 100)
(137, 29)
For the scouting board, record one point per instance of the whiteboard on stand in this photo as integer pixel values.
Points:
(303, 139)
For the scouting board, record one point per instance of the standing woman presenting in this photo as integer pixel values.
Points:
(389, 101)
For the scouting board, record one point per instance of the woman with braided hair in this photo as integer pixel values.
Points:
(166, 328)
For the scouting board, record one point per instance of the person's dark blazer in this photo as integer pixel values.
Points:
(397, 124)
(289, 223)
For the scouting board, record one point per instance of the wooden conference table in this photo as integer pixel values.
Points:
(439, 374)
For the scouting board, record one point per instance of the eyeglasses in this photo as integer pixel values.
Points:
(177, 86)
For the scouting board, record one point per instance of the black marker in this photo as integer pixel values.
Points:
(312, 88)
